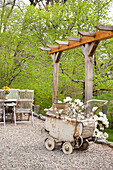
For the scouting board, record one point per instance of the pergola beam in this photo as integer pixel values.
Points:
(101, 35)
(45, 49)
(104, 27)
(73, 38)
(53, 46)
(62, 42)
(88, 34)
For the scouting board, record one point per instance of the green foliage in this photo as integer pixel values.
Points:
(110, 132)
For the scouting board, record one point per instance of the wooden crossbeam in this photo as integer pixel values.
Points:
(93, 47)
(62, 42)
(101, 35)
(73, 38)
(58, 56)
(45, 49)
(89, 34)
(53, 46)
(104, 27)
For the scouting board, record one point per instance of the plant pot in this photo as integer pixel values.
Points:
(6, 95)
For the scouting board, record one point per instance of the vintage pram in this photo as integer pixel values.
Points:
(71, 133)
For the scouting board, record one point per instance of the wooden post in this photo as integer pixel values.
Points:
(88, 78)
(88, 50)
(55, 81)
(55, 57)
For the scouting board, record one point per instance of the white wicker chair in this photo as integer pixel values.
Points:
(13, 94)
(23, 109)
(2, 109)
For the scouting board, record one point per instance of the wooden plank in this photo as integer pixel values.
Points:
(89, 34)
(53, 46)
(45, 49)
(101, 35)
(73, 38)
(104, 27)
(62, 42)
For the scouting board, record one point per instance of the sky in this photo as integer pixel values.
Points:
(26, 1)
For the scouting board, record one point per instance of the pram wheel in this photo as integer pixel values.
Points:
(67, 148)
(50, 143)
(85, 145)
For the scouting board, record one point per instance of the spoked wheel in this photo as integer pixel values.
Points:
(50, 143)
(67, 148)
(79, 141)
(85, 145)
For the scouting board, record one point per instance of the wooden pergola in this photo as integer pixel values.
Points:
(88, 42)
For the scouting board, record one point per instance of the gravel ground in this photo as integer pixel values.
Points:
(22, 148)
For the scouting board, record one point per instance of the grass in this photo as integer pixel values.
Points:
(110, 132)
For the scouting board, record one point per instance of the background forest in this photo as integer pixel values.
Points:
(24, 28)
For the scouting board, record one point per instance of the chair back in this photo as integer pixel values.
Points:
(2, 99)
(13, 94)
(25, 99)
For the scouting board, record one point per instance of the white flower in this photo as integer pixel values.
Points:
(74, 116)
(105, 135)
(101, 114)
(101, 119)
(59, 101)
(96, 123)
(106, 123)
(95, 117)
(76, 107)
(46, 109)
(60, 111)
(104, 115)
(80, 103)
(77, 101)
(74, 111)
(97, 134)
(82, 113)
(94, 108)
(69, 119)
(101, 127)
(68, 99)
(83, 107)
(73, 105)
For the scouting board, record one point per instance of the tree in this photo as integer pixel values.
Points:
(45, 3)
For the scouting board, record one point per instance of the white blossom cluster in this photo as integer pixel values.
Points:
(101, 122)
(76, 109)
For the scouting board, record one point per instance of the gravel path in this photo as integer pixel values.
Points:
(22, 148)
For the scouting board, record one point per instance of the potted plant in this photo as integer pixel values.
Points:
(6, 90)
